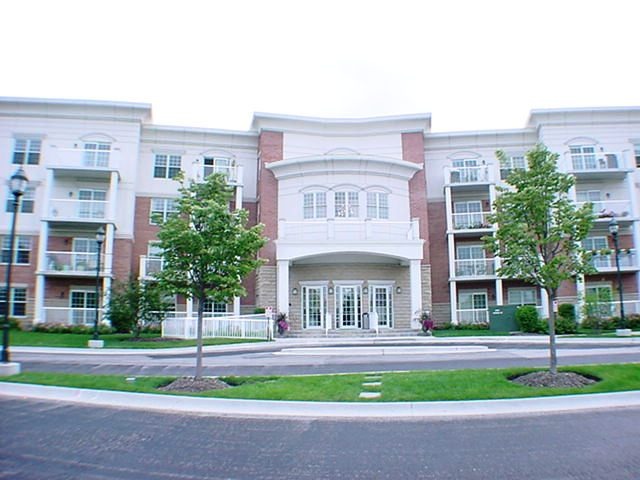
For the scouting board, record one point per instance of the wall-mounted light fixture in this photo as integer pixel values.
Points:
(398, 290)
(294, 291)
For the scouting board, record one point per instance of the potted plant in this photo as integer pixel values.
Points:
(281, 323)
(426, 323)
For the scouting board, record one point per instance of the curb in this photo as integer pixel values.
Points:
(270, 408)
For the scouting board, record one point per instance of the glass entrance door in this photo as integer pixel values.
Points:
(380, 301)
(313, 306)
(348, 306)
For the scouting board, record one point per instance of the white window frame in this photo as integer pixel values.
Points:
(28, 148)
(378, 205)
(168, 207)
(166, 165)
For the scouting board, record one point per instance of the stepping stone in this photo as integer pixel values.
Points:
(370, 395)
(372, 384)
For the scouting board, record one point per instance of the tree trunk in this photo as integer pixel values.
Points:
(553, 358)
(198, 375)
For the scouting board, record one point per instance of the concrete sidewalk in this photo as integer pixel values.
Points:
(374, 410)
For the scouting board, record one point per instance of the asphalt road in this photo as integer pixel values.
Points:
(47, 440)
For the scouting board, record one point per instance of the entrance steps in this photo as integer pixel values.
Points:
(350, 333)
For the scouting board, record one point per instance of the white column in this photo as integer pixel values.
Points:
(282, 291)
(415, 278)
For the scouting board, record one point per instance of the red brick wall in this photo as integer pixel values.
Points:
(413, 151)
(270, 150)
(439, 257)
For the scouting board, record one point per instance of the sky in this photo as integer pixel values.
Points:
(474, 65)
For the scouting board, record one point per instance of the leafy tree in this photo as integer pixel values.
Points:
(134, 305)
(540, 230)
(207, 249)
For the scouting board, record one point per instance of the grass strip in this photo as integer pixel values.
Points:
(416, 386)
(116, 340)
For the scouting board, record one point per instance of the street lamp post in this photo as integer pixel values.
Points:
(99, 241)
(613, 230)
(18, 185)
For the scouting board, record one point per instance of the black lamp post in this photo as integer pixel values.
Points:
(18, 185)
(99, 241)
(613, 230)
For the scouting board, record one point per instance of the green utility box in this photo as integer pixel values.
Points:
(502, 318)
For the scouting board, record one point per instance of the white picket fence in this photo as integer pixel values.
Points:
(227, 326)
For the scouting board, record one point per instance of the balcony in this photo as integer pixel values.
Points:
(476, 221)
(468, 176)
(598, 165)
(73, 264)
(149, 266)
(89, 163)
(474, 268)
(607, 263)
(72, 210)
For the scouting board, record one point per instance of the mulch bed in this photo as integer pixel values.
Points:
(190, 384)
(559, 380)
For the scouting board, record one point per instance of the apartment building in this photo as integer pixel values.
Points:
(369, 220)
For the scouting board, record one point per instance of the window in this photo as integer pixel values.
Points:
(18, 301)
(346, 204)
(218, 165)
(22, 249)
(27, 202)
(315, 205)
(96, 154)
(522, 296)
(26, 151)
(91, 203)
(161, 209)
(378, 205)
(583, 157)
(166, 166)
(509, 164)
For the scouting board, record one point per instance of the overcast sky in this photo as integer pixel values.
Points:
(474, 65)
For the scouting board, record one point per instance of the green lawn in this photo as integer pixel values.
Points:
(116, 340)
(396, 387)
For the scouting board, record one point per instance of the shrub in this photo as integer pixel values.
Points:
(527, 319)
(567, 310)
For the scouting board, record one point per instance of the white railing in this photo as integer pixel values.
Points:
(149, 266)
(66, 209)
(72, 316)
(81, 158)
(348, 230)
(466, 175)
(626, 258)
(472, 316)
(477, 267)
(610, 208)
(229, 326)
(73, 262)
(466, 221)
(596, 161)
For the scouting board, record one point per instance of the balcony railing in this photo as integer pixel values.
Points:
(348, 230)
(77, 210)
(478, 267)
(73, 263)
(468, 175)
(596, 161)
(626, 258)
(84, 159)
(468, 316)
(468, 221)
(149, 266)
(72, 316)
(610, 208)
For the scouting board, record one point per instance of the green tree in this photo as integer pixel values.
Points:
(134, 305)
(207, 249)
(540, 230)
